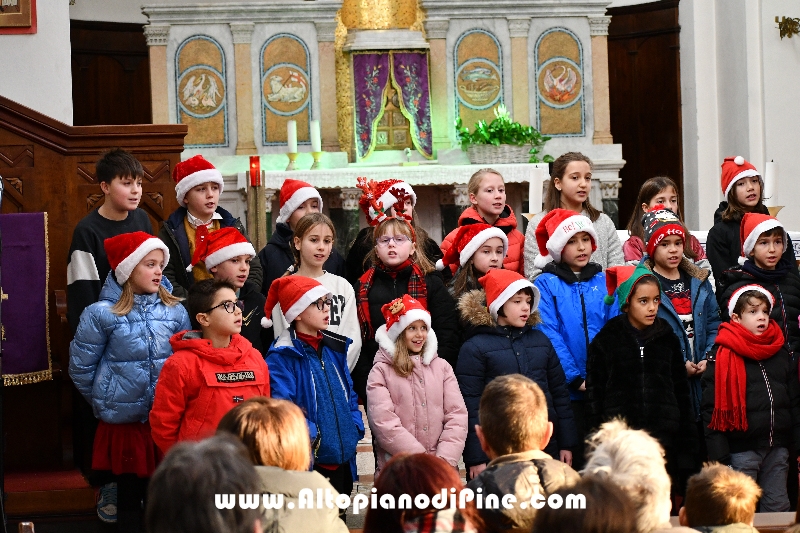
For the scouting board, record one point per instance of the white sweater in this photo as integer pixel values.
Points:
(608, 253)
(344, 317)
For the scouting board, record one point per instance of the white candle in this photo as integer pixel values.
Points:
(771, 184)
(538, 175)
(316, 141)
(291, 136)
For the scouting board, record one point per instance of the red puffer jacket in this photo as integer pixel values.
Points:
(200, 383)
(507, 222)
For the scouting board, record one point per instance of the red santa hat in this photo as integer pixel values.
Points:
(399, 314)
(468, 240)
(752, 287)
(219, 246)
(295, 294)
(293, 194)
(734, 169)
(193, 172)
(555, 230)
(500, 285)
(126, 250)
(751, 228)
(383, 192)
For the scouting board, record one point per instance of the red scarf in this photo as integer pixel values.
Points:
(417, 288)
(730, 380)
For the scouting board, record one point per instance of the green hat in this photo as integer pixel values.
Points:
(622, 279)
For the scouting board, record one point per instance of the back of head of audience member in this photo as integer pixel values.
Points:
(181, 493)
(634, 461)
(607, 510)
(513, 416)
(413, 474)
(718, 496)
(274, 431)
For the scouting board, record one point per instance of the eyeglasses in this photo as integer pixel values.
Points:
(322, 302)
(399, 240)
(229, 306)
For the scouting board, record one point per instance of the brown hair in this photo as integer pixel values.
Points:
(747, 297)
(735, 210)
(273, 430)
(125, 303)
(513, 414)
(301, 229)
(647, 192)
(719, 495)
(553, 198)
(466, 279)
(400, 226)
(402, 362)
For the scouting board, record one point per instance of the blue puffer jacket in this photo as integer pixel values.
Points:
(705, 311)
(495, 351)
(291, 378)
(115, 361)
(573, 311)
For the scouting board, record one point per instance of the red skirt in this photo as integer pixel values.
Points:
(125, 449)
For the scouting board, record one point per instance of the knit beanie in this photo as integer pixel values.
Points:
(734, 169)
(751, 228)
(295, 294)
(468, 240)
(382, 191)
(658, 223)
(500, 285)
(293, 194)
(126, 250)
(219, 246)
(193, 172)
(555, 230)
(752, 287)
(622, 280)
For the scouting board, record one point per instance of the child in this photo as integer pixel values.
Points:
(572, 305)
(312, 244)
(356, 261)
(518, 465)
(297, 199)
(717, 497)
(211, 370)
(751, 398)
(414, 401)
(308, 367)
(227, 254)
(569, 188)
(198, 186)
(487, 194)
(657, 191)
(398, 270)
(743, 190)
(635, 369)
(505, 342)
(476, 249)
(119, 348)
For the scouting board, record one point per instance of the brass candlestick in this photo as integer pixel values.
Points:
(317, 156)
(292, 158)
(773, 211)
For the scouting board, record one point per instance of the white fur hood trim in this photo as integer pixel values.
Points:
(386, 344)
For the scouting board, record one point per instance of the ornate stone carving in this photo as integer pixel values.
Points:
(436, 29)
(269, 196)
(599, 25)
(242, 32)
(446, 196)
(156, 35)
(350, 197)
(326, 31)
(610, 188)
(460, 195)
(518, 27)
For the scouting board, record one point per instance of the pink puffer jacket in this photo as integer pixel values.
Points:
(421, 413)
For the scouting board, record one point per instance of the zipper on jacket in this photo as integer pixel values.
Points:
(785, 323)
(333, 404)
(585, 323)
(771, 404)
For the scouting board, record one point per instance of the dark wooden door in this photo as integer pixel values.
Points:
(110, 74)
(645, 95)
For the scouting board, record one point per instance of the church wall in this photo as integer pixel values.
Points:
(107, 11)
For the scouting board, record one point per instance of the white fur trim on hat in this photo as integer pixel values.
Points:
(752, 287)
(510, 291)
(406, 319)
(428, 353)
(743, 174)
(198, 178)
(304, 301)
(388, 199)
(125, 267)
(296, 200)
(559, 239)
(752, 238)
(229, 252)
(479, 240)
(540, 261)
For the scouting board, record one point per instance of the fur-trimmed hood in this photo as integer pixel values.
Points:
(386, 351)
(473, 310)
(686, 265)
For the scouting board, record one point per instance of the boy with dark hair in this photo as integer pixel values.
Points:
(720, 500)
(211, 370)
(198, 186)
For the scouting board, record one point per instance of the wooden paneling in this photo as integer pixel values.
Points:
(645, 97)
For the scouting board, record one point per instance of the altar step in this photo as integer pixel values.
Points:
(49, 493)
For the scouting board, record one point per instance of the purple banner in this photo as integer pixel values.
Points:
(410, 77)
(26, 351)
(370, 78)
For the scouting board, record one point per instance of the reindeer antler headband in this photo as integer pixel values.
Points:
(371, 197)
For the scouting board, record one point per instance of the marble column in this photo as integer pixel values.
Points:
(518, 29)
(326, 34)
(242, 36)
(157, 37)
(350, 197)
(598, 29)
(436, 31)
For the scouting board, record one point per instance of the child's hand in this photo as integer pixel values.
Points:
(583, 386)
(691, 369)
(475, 470)
(565, 456)
(701, 366)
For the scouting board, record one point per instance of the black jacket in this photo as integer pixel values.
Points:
(724, 245)
(643, 380)
(786, 292)
(174, 236)
(773, 408)
(252, 314)
(494, 351)
(276, 257)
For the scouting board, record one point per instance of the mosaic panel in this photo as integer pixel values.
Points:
(478, 76)
(559, 84)
(285, 89)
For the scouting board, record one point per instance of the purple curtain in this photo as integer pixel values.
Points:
(410, 77)
(370, 77)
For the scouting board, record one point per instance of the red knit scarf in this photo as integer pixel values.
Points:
(730, 380)
(417, 288)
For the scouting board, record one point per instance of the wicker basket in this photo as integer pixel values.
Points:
(483, 154)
